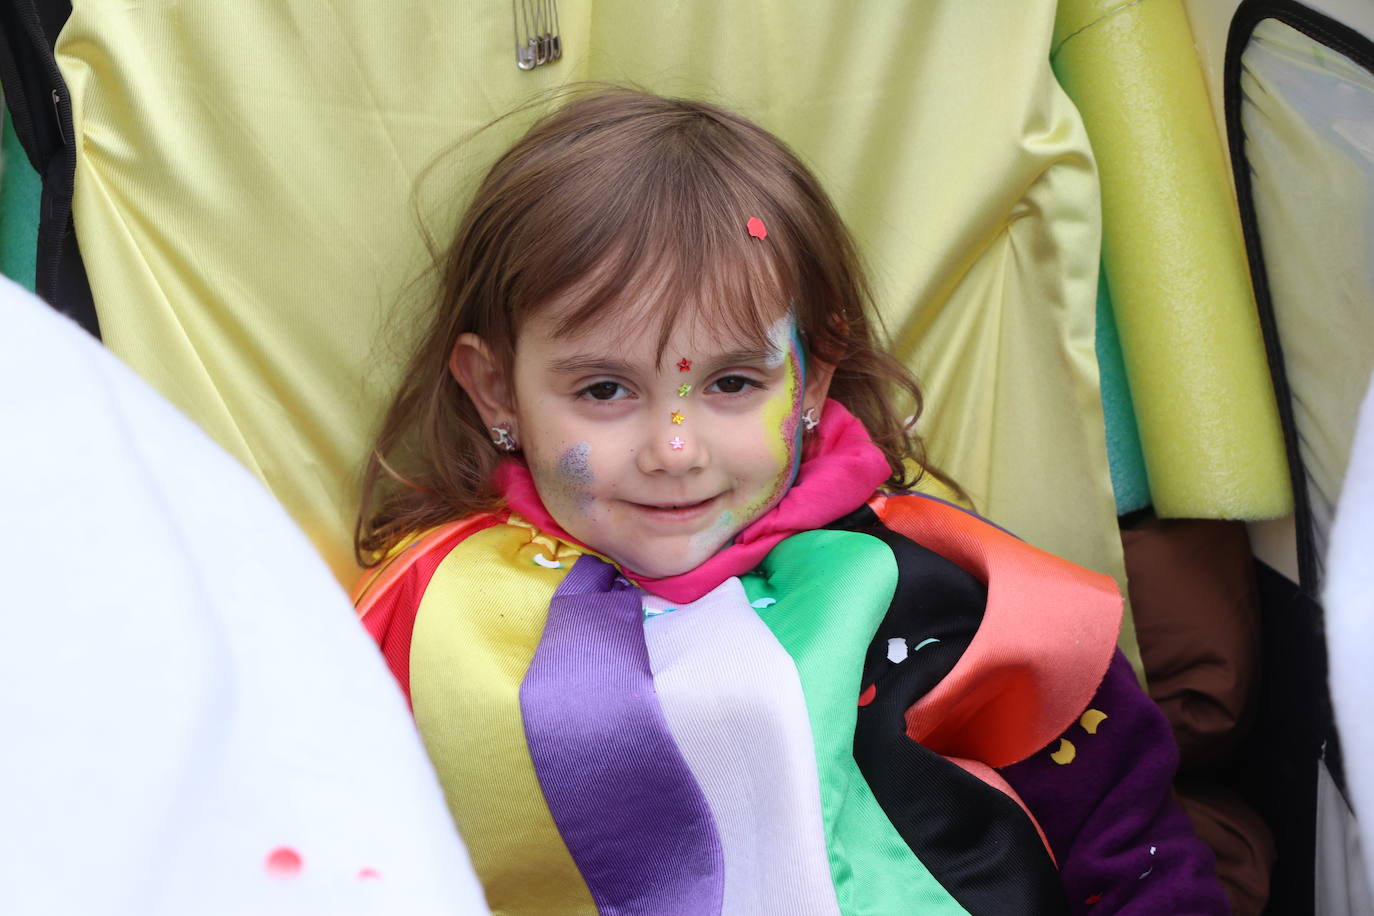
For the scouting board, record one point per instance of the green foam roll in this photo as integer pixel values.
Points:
(1175, 261)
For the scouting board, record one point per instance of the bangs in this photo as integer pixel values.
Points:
(652, 227)
(716, 280)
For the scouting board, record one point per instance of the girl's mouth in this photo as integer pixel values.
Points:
(675, 512)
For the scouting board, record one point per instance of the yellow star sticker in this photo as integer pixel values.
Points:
(678, 418)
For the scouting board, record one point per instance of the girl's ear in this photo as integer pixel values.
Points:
(474, 366)
(818, 376)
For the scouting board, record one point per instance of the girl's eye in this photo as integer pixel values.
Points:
(734, 384)
(604, 391)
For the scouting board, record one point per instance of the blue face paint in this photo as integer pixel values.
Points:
(799, 354)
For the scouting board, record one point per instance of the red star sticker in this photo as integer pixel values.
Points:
(684, 364)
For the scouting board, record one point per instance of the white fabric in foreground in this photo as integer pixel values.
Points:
(1348, 599)
(1342, 887)
(183, 688)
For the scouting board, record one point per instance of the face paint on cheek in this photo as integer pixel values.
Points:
(792, 426)
(781, 431)
(780, 336)
(782, 427)
(782, 416)
(722, 530)
(572, 479)
(785, 340)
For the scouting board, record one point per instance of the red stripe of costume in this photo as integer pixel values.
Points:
(388, 599)
(1044, 645)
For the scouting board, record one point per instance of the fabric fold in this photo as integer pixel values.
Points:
(623, 797)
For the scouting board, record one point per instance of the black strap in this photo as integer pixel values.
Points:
(1295, 728)
(1359, 49)
(41, 111)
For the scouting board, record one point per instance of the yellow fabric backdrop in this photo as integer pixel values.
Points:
(245, 173)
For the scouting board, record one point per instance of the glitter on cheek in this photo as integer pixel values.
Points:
(574, 465)
(572, 479)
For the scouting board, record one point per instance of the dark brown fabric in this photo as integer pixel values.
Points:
(1192, 591)
(1242, 842)
(1197, 616)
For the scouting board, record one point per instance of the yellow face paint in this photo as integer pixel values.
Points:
(782, 414)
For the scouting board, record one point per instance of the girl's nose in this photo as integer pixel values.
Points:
(672, 448)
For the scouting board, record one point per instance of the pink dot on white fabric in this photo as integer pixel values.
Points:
(283, 862)
(369, 874)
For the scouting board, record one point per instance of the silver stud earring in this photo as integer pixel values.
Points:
(809, 420)
(501, 437)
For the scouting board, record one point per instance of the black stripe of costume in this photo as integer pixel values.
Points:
(975, 841)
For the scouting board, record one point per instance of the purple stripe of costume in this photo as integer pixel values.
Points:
(621, 793)
(1123, 844)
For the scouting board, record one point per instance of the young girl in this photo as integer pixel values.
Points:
(675, 636)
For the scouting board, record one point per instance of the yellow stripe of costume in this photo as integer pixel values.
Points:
(474, 638)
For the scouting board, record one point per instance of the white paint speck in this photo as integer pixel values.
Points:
(780, 340)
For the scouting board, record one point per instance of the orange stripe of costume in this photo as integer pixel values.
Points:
(1007, 696)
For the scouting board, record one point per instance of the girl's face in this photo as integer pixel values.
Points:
(658, 464)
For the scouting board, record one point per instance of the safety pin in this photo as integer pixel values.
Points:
(524, 59)
(536, 28)
(555, 39)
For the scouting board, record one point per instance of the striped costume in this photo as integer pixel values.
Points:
(839, 713)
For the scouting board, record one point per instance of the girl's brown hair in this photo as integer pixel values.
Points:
(616, 188)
